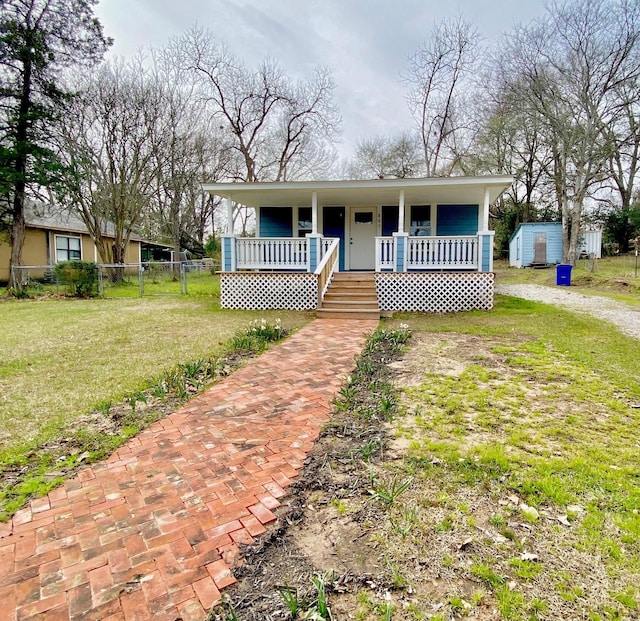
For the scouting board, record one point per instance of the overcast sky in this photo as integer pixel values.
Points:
(365, 43)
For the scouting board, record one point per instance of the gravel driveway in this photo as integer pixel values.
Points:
(625, 317)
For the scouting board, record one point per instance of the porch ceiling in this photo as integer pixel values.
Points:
(433, 190)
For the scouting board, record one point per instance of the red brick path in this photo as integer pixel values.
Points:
(153, 532)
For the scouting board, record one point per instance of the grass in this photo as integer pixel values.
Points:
(534, 428)
(63, 358)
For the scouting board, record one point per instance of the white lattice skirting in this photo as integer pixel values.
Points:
(264, 291)
(435, 293)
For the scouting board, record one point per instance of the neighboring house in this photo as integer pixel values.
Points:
(540, 243)
(426, 243)
(54, 237)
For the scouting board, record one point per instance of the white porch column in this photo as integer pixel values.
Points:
(485, 212)
(314, 213)
(229, 216)
(485, 238)
(401, 212)
(401, 239)
(228, 250)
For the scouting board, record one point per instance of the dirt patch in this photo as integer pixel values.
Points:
(456, 544)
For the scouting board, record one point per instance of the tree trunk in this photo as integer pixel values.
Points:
(20, 168)
(175, 239)
(17, 241)
(571, 223)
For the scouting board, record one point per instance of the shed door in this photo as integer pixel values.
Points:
(540, 249)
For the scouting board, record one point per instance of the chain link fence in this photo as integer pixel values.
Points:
(115, 280)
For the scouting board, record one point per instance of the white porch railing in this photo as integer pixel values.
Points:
(443, 253)
(327, 266)
(326, 243)
(277, 253)
(385, 253)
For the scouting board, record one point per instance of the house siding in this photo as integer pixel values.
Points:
(276, 222)
(34, 251)
(457, 220)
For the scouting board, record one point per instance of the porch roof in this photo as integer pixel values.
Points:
(431, 190)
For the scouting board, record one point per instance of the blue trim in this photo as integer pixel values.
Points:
(486, 253)
(313, 253)
(401, 241)
(227, 253)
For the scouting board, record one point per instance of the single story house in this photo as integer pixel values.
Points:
(540, 243)
(424, 243)
(55, 236)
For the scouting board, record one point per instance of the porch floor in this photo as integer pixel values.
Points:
(153, 531)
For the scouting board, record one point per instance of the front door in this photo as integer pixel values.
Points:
(333, 226)
(363, 229)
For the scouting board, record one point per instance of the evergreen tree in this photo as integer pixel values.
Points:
(39, 40)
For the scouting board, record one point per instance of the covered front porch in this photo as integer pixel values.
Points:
(429, 237)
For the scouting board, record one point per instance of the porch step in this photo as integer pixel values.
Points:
(351, 295)
(347, 313)
(349, 303)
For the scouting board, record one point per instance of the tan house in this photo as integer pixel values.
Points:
(52, 238)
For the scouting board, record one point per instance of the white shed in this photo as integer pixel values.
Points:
(591, 243)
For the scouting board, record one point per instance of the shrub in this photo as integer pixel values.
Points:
(79, 277)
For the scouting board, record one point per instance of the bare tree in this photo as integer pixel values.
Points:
(567, 67)
(187, 150)
(278, 129)
(383, 156)
(438, 78)
(623, 129)
(510, 141)
(107, 144)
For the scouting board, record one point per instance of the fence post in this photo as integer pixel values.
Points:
(141, 279)
(100, 281)
(183, 279)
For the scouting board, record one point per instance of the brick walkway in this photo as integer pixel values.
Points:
(153, 532)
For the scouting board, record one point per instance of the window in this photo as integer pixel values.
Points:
(68, 248)
(389, 220)
(363, 217)
(304, 221)
(420, 220)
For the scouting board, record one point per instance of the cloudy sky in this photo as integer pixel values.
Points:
(365, 43)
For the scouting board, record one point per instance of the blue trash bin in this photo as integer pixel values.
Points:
(563, 275)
